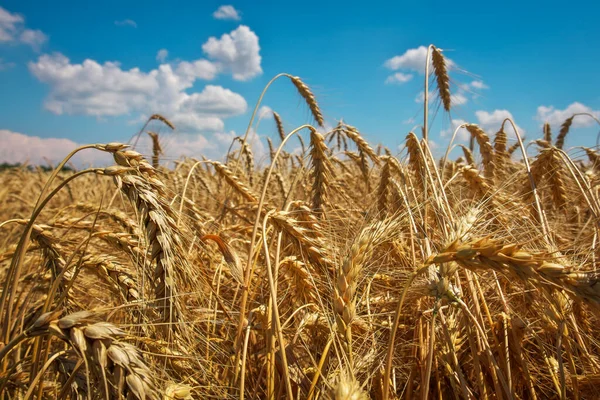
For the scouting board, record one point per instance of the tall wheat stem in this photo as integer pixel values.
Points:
(426, 94)
(251, 255)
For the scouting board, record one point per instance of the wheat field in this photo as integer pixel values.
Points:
(341, 270)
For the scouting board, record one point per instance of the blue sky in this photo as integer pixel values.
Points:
(74, 72)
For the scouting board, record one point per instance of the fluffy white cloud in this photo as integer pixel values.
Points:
(162, 55)
(491, 122)
(92, 88)
(399, 78)
(236, 52)
(177, 145)
(224, 140)
(34, 38)
(9, 24)
(199, 69)
(458, 99)
(106, 89)
(264, 112)
(556, 117)
(413, 60)
(20, 148)
(228, 13)
(214, 100)
(126, 22)
(420, 97)
(479, 85)
(12, 30)
(461, 136)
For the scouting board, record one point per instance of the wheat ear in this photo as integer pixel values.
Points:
(279, 124)
(547, 133)
(564, 130)
(485, 148)
(320, 172)
(441, 75)
(309, 97)
(156, 149)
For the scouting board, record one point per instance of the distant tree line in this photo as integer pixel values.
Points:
(7, 166)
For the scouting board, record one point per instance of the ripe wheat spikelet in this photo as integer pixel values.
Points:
(120, 366)
(548, 164)
(564, 130)
(415, 158)
(383, 190)
(162, 119)
(526, 266)
(309, 97)
(235, 181)
(156, 148)
(468, 155)
(500, 154)
(147, 194)
(361, 143)
(485, 148)
(320, 172)
(547, 132)
(279, 124)
(441, 75)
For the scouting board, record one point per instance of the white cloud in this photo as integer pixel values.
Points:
(420, 97)
(199, 69)
(236, 52)
(126, 22)
(214, 100)
(556, 117)
(264, 112)
(491, 122)
(413, 60)
(458, 99)
(106, 89)
(227, 13)
(478, 85)
(399, 78)
(174, 146)
(162, 55)
(224, 140)
(9, 24)
(20, 148)
(34, 38)
(461, 136)
(12, 30)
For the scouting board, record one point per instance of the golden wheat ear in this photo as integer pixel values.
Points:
(162, 119)
(564, 130)
(441, 75)
(310, 99)
(279, 124)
